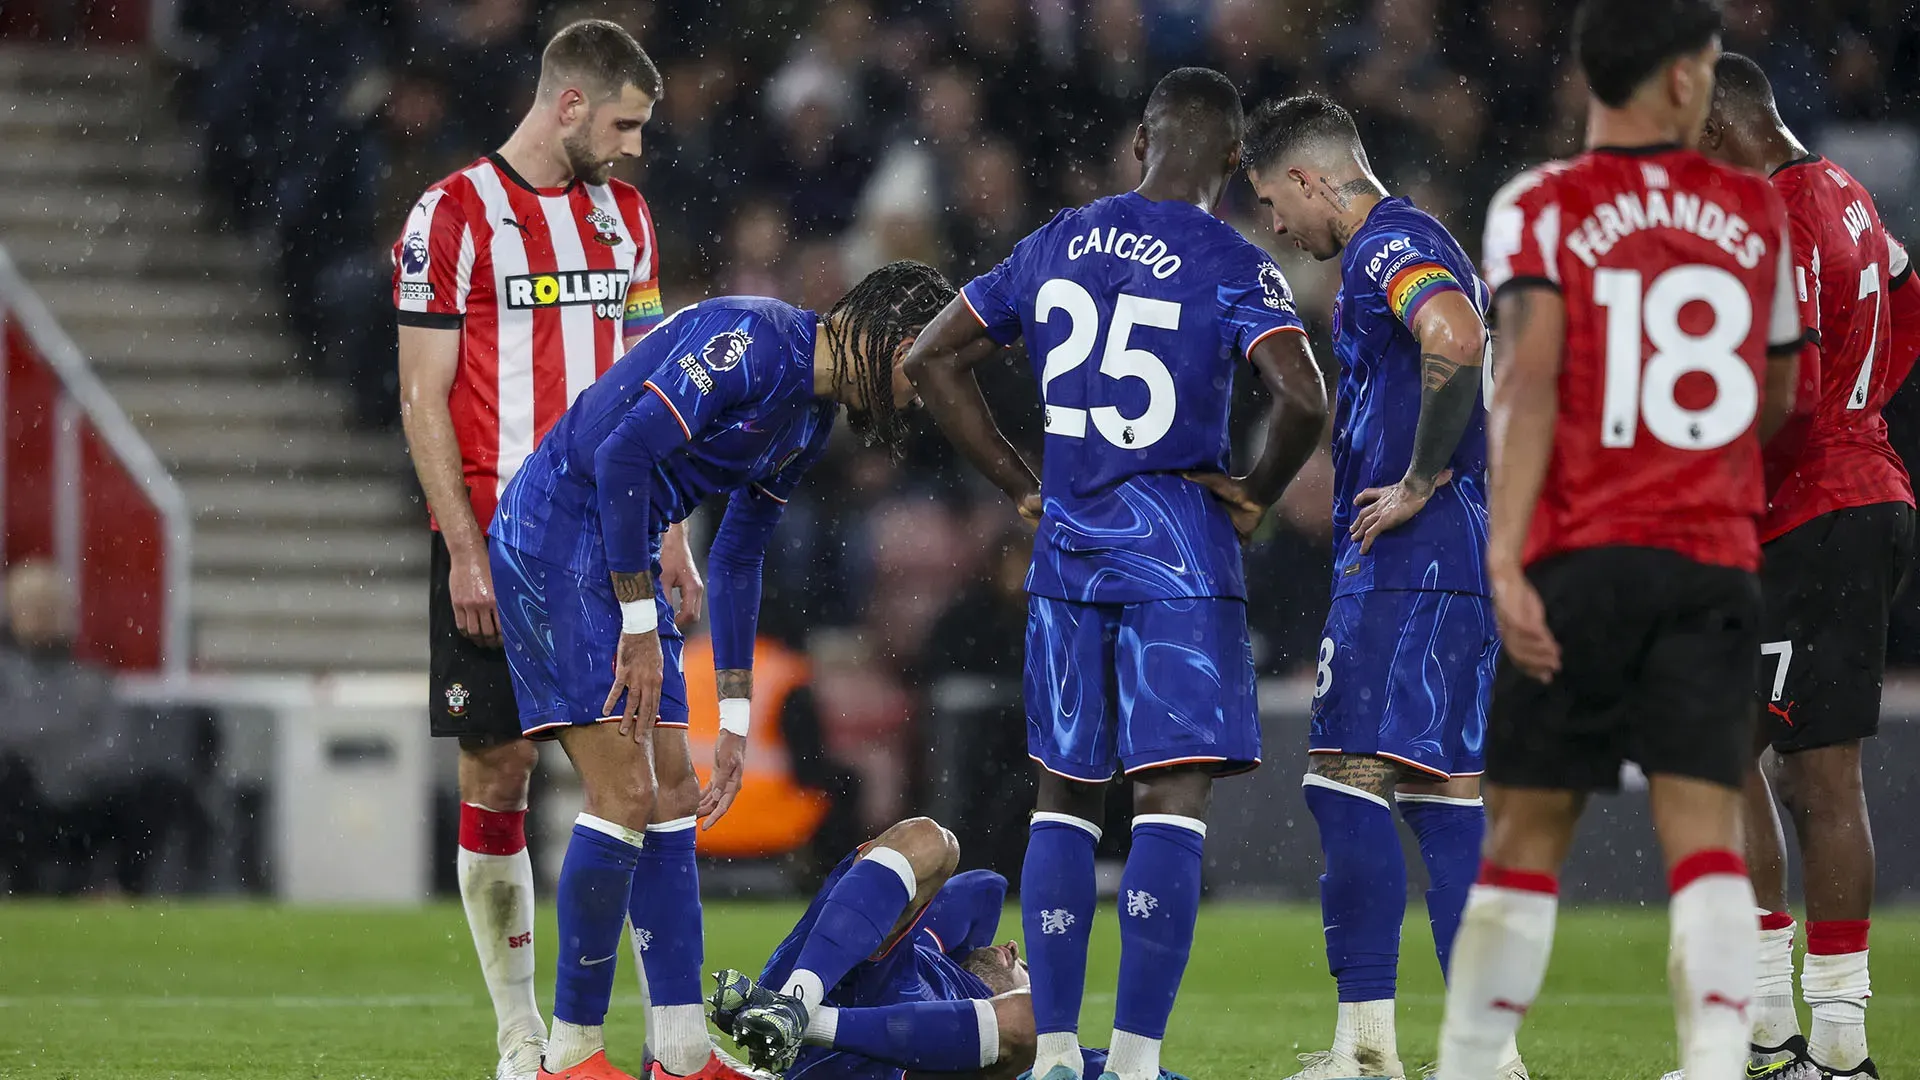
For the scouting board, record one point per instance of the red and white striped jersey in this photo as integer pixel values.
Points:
(547, 286)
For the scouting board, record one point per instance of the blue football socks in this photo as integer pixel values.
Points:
(1363, 891)
(922, 1036)
(1159, 901)
(596, 879)
(853, 922)
(1056, 912)
(1450, 831)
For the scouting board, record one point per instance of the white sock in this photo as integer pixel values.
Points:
(1499, 961)
(678, 1036)
(1054, 1049)
(1512, 1052)
(1133, 1057)
(1836, 987)
(1713, 942)
(1364, 1032)
(497, 891)
(823, 1024)
(806, 986)
(1774, 1019)
(571, 1044)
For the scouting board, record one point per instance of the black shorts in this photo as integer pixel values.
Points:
(472, 691)
(1658, 655)
(1829, 588)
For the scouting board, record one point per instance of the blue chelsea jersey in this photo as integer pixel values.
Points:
(1136, 314)
(723, 389)
(1400, 260)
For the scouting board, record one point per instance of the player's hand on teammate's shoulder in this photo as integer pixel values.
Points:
(729, 765)
(1243, 509)
(1522, 618)
(1390, 507)
(637, 671)
(470, 585)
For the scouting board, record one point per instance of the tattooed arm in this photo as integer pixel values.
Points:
(1453, 342)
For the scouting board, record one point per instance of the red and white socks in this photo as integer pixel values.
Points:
(496, 888)
(1774, 1021)
(1835, 985)
(1499, 961)
(1713, 949)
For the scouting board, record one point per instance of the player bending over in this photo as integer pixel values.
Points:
(903, 949)
(730, 395)
(1399, 705)
(1136, 311)
(1625, 514)
(1839, 538)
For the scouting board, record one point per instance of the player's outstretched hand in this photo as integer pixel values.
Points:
(677, 571)
(1389, 507)
(1522, 618)
(729, 764)
(470, 585)
(637, 669)
(1242, 508)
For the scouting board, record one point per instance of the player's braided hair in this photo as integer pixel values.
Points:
(865, 327)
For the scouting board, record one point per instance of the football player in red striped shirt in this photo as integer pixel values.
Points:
(518, 280)
(1839, 539)
(1645, 343)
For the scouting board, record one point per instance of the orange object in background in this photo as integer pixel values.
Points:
(773, 814)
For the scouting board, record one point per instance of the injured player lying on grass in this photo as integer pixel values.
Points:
(891, 968)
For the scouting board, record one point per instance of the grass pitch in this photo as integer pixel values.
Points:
(152, 991)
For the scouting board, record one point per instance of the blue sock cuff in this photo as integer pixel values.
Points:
(1363, 891)
(608, 848)
(673, 838)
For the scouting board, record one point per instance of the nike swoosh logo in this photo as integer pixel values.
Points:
(584, 962)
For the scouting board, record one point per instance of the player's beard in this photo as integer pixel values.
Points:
(581, 160)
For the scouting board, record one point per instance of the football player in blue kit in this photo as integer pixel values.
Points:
(1406, 665)
(734, 395)
(912, 979)
(1136, 311)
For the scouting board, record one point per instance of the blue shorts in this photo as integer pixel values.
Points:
(1406, 674)
(561, 631)
(1126, 687)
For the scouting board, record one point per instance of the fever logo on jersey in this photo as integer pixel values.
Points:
(723, 352)
(413, 253)
(606, 228)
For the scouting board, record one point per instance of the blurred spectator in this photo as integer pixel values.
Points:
(864, 721)
(80, 774)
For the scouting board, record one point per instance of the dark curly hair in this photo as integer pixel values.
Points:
(865, 327)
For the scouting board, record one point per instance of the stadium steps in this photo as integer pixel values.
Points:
(309, 552)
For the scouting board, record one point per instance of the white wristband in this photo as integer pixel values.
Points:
(734, 714)
(639, 617)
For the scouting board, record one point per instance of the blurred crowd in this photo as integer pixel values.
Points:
(801, 143)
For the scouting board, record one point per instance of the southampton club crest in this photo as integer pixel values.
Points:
(457, 699)
(723, 352)
(606, 227)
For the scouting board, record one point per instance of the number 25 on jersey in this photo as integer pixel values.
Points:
(1061, 296)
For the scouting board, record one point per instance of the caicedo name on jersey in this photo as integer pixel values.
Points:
(606, 290)
(1143, 248)
(1630, 212)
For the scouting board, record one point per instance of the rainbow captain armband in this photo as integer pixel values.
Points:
(1410, 287)
(644, 310)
